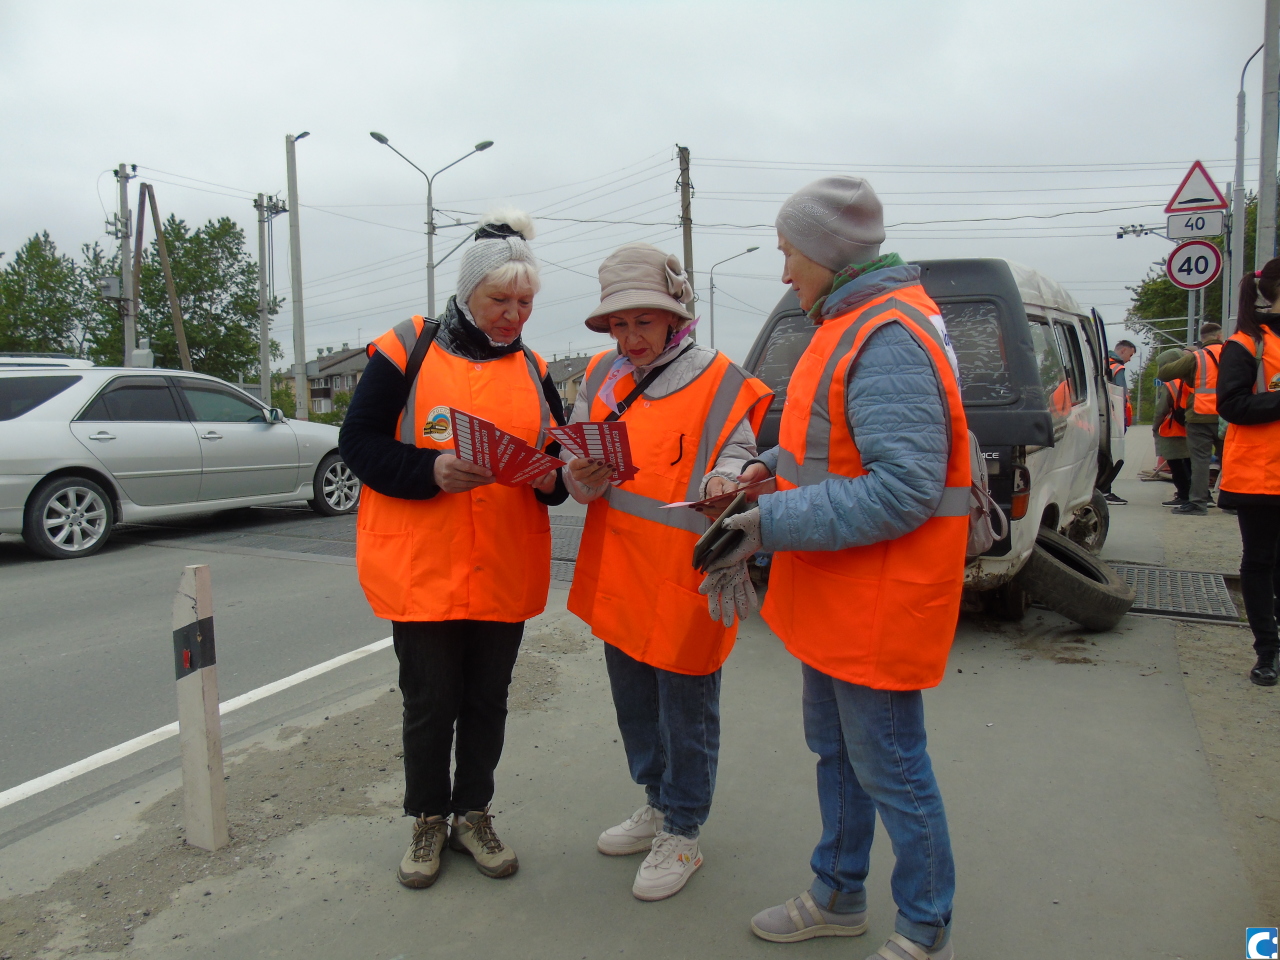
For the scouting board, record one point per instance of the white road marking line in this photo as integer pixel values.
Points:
(29, 789)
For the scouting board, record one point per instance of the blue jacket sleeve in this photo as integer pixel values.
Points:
(897, 409)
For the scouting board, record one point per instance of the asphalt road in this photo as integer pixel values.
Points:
(86, 657)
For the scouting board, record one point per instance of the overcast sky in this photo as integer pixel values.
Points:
(954, 111)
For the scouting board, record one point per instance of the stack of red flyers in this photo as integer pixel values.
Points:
(599, 442)
(512, 461)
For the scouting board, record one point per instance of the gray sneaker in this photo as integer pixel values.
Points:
(474, 834)
(898, 947)
(421, 863)
(802, 919)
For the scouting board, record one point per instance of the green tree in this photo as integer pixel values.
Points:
(341, 400)
(282, 396)
(217, 286)
(45, 300)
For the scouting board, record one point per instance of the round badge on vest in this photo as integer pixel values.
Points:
(439, 425)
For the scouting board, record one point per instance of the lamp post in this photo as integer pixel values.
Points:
(1235, 248)
(713, 289)
(302, 395)
(431, 210)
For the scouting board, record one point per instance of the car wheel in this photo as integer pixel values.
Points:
(336, 489)
(68, 517)
(1009, 601)
(1069, 580)
(1091, 523)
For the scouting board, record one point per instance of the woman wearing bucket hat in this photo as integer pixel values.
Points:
(455, 561)
(691, 415)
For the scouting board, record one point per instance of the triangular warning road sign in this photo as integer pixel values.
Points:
(1197, 192)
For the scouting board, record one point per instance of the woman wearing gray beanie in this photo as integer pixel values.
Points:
(455, 561)
(691, 415)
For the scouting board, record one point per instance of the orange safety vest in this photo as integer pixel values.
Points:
(480, 555)
(1170, 427)
(1114, 367)
(1251, 454)
(882, 615)
(1206, 379)
(635, 583)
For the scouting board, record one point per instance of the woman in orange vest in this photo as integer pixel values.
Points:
(455, 561)
(1171, 430)
(691, 415)
(869, 526)
(1249, 400)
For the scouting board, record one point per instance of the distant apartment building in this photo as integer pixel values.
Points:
(567, 373)
(334, 372)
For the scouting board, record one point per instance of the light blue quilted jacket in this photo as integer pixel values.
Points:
(898, 410)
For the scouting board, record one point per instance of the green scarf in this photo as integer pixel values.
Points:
(852, 272)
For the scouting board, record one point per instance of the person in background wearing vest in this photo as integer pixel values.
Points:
(1172, 399)
(869, 529)
(455, 561)
(1199, 370)
(691, 416)
(1117, 358)
(1249, 400)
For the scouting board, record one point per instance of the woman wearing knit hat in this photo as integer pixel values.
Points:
(455, 561)
(691, 415)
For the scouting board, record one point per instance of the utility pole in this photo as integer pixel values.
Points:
(268, 208)
(686, 216)
(301, 392)
(128, 298)
(1266, 243)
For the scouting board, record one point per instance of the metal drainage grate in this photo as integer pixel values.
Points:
(1184, 593)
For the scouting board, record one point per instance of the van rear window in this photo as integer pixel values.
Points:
(787, 341)
(974, 329)
(18, 395)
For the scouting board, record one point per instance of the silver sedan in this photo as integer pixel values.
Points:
(84, 448)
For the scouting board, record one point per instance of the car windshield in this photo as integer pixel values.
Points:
(974, 329)
(18, 395)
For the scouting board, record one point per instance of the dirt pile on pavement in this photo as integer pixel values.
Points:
(306, 774)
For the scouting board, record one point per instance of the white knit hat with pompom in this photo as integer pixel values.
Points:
(500, 238)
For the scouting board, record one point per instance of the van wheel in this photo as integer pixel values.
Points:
(1009, 601)
(67, 518)
(1090, 525)
(1071, 581)
(335, 488)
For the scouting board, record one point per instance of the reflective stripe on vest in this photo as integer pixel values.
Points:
(955, 501)
(1205, 399)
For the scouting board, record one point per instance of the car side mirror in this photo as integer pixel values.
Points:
(275, 415)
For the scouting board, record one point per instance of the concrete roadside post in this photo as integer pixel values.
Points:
(199, 723)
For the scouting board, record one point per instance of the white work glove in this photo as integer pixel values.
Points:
(749, 524)
(729, 589)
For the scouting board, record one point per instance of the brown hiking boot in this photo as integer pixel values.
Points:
(421, 863)
(474, 834)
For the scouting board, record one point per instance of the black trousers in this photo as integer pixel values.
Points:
(1181, 471)
(1259, 572)
(453, 673)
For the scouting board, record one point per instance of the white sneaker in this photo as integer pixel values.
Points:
(633, 835)
(667, 868)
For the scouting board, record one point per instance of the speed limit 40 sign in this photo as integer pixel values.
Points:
(1194, 264)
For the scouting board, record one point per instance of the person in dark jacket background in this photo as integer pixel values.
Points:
(455, 561)
(1249, 400)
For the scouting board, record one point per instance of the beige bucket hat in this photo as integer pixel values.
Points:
(640, 275)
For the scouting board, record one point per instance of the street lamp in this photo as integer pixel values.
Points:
(713, 289)
(1235, 249)
(431, 210)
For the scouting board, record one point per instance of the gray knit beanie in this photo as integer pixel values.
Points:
(500, 238)
(835, 222)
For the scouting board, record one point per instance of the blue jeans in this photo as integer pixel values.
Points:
(871, 758)
(670, 726)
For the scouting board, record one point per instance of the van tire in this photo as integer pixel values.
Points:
(1091, 523)
(1071, 581)
(1009, 602)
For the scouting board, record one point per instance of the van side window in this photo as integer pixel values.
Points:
(1069, 342)
(974, 329)
(787, 341)
(1053, 376)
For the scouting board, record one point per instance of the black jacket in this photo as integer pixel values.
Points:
(1237, 403)
(368, 441)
